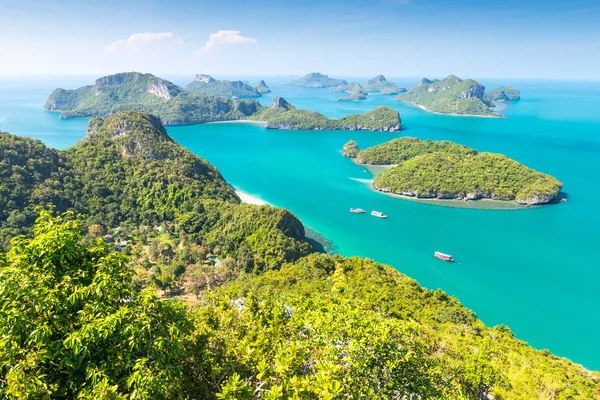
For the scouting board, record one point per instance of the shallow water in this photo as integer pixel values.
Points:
(534, 270)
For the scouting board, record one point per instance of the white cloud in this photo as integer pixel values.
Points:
(225, 38)
(142, 42)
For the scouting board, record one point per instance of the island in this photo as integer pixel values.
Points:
(356, 94)
(393, 90)
(283, 115)
(502, 93)
(381, 85)
(175, 106)
(149, 94)
(317, 80)
(445, 170)
(452, 96)
(261, 87)
(347, 87)
(208, 85)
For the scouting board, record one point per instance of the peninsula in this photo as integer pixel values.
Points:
(208, 85)
(283, 115)
(451, 95)
(317, 80)
(445, 170)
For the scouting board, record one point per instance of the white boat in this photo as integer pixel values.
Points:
(357, 210)
(443, 257)
(378, 214)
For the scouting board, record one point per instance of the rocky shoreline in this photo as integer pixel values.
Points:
(530, 201)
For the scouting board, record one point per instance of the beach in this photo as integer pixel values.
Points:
(249, 199)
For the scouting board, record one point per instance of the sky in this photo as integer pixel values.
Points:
(434, 38)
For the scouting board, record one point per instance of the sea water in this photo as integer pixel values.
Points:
(535, 270)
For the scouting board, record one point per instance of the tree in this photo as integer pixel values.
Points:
(72, 326)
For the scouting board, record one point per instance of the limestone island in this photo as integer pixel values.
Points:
(261, 87)
(427, 169)
(208, 85)
(317, 80)
(452, 96)
(133, 91)
(283, 115)
(356, 94)
(149, 94)
(381, 85)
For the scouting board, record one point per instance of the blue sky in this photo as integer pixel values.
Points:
(469, 38)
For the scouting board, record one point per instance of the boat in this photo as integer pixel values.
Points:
(443, 257)
(357, 210)
(378, 214)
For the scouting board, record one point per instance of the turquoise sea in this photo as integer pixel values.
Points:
(536, 270)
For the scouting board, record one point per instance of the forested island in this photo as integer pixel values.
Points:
(176, 106)
(455, 96)
(208, 85)
(283, 115)
(317, 80)
(381, 85)
(356, 94)
(445, 170)
(271, 318)
(149, 94)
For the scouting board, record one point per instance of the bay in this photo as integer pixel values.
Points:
(535, 270)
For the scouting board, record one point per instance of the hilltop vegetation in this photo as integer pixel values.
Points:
(208, 85)
(317, 80)
(266, 320)
(283, 115)
(442, 169)
(451, 95)
(146, 93)
(128, 176)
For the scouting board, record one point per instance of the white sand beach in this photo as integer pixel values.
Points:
(249, 199)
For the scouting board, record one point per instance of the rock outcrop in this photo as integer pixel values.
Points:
(261, 87)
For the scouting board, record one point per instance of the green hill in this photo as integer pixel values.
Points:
(127, 172)
(283, 115)
(451, 95)
(208, 85)
(148, 94)
(442, 169)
